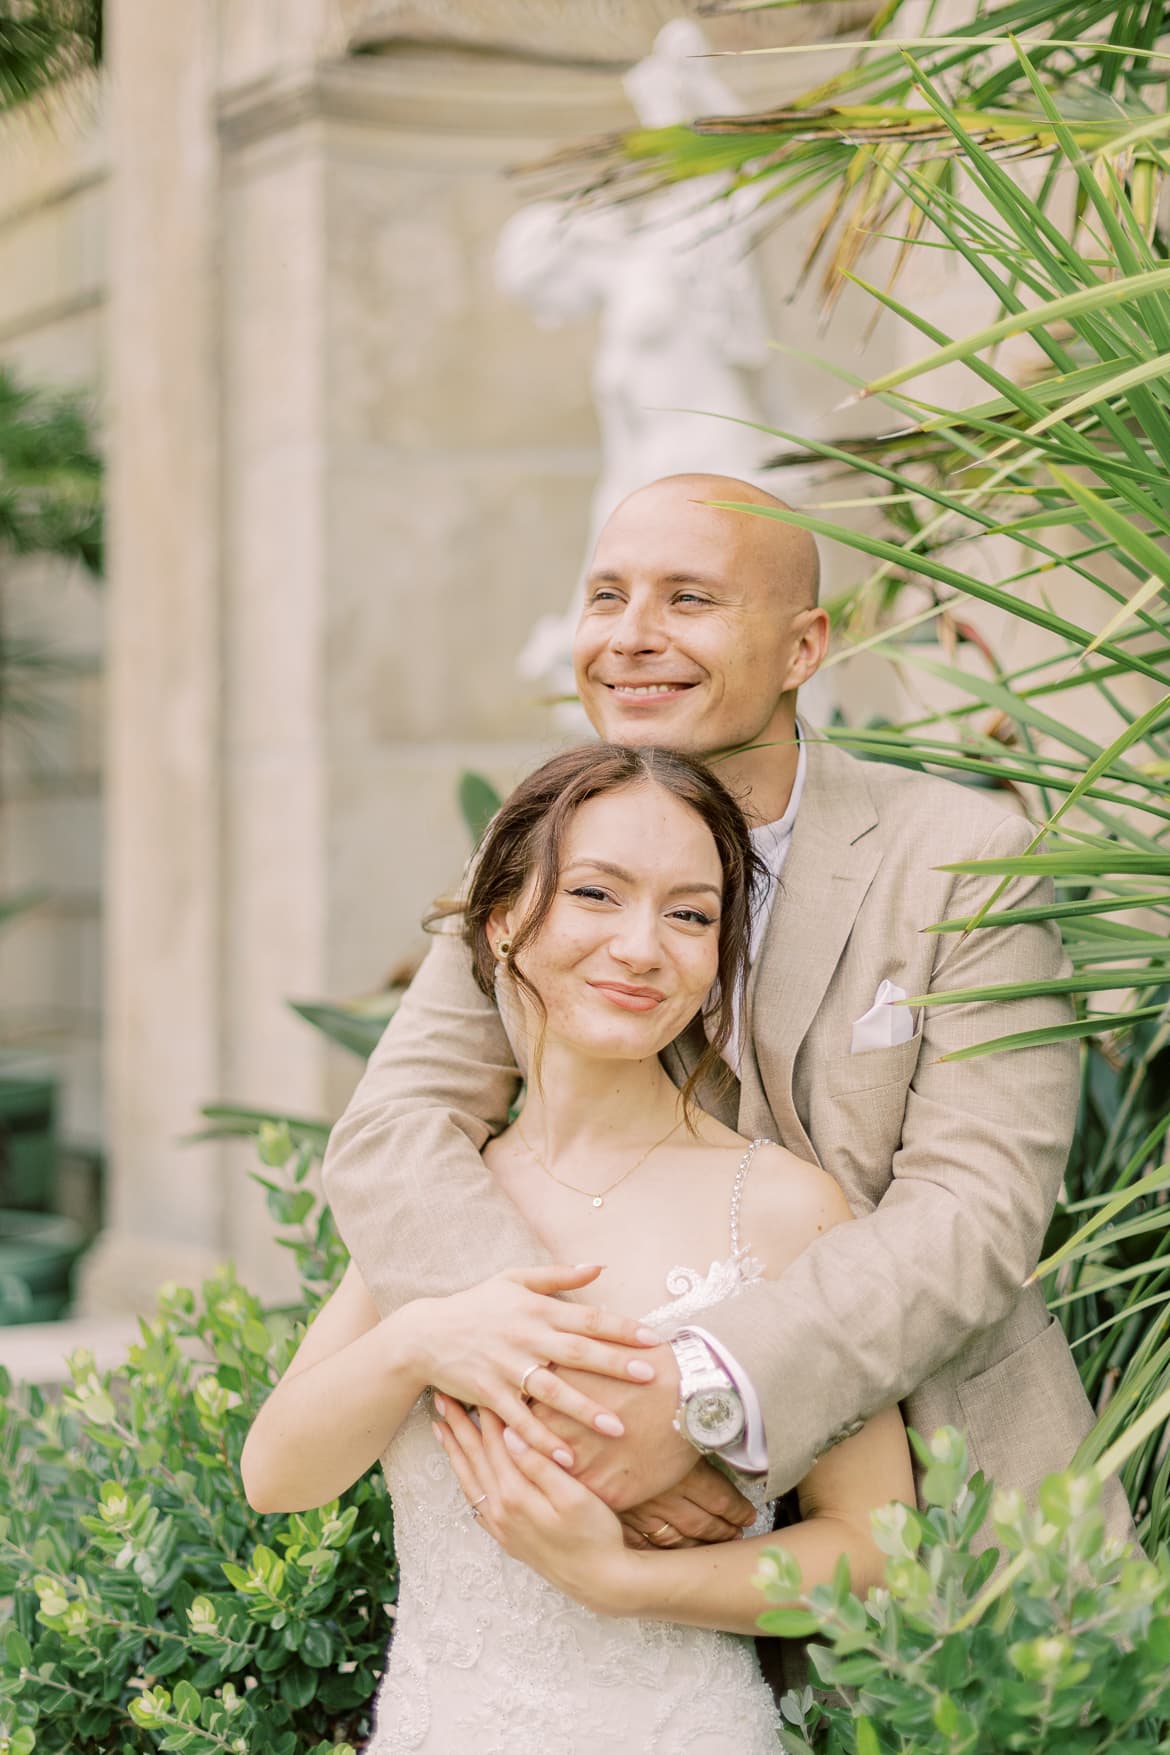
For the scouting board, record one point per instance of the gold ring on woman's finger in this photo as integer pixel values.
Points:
(660, 1531)
(475, 1505)
(535, 1366)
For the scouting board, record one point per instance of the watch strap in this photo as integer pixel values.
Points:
(698, 1367)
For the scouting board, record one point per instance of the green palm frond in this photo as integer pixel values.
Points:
(849, 144)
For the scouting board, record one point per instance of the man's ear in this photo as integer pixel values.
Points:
(811, 628)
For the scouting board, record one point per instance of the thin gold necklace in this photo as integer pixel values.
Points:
(598, 1200)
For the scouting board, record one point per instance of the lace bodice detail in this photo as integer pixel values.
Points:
(692, 1291)
(487, 1655)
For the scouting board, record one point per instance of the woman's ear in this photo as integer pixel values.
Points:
(499, 927)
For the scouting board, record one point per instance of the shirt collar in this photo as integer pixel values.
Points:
(770, 838)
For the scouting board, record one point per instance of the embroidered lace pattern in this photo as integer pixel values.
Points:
(488, 1656)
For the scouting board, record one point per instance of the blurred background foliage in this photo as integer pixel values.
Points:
(50, 512)
(50, 505)
(51, 479)
(43, 43)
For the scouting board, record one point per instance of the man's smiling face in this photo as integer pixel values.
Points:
(695, 624)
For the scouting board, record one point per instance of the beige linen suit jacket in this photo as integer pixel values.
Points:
(952, 1170)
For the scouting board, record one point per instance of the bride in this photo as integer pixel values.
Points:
(610, 903)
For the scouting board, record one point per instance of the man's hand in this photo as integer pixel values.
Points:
(704, 1507)
(651, 1476)
(650, 1458)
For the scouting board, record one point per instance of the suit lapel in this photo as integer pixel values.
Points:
(683, 1055)
(830, 866)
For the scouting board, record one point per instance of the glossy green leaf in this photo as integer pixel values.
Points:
(478, 802)
(358, 1024)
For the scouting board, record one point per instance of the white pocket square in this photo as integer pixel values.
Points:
(884, 1024)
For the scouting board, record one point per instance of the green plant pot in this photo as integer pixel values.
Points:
(38, 1252)
(28, 1141)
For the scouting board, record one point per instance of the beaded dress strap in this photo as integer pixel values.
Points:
(745, 1165)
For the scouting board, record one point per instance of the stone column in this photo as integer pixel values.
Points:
(162, 870)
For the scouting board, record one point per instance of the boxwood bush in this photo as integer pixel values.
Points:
(143, 1604)
(1062, 1650)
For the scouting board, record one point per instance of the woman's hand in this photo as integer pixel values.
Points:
(478, 1346)
(536, 1512)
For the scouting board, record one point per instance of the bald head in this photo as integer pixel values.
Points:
(785, 555)
(700, 624)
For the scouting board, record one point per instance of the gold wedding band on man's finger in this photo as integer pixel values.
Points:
(663, 1529)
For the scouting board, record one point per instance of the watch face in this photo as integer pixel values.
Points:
(713, 1418)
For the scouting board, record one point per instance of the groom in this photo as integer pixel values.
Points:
(699, 626)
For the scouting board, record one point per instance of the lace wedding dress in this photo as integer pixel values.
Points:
(488, 1657)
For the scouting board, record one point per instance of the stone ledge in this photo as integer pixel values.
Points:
(433, 92)
(617, 32)
(469, 93)
(36, 317)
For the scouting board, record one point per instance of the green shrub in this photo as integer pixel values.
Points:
(1065, 1651)
(143, 1604)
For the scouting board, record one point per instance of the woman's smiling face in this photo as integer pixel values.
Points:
(630, 947)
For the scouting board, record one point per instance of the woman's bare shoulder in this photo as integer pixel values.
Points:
(787, 1204)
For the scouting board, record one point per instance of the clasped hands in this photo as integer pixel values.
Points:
(600, 1401)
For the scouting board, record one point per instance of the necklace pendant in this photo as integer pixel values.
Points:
(597, 1201)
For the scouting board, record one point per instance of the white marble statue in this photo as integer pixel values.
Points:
(683, 330)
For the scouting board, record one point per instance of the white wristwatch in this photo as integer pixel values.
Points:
(710, 1408)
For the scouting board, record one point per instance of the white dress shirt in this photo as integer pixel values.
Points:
(771, 841)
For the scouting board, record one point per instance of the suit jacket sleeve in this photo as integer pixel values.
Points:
(403, 1172)
(872, 1309)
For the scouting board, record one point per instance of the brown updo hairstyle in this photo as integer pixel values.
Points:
(526, 837)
